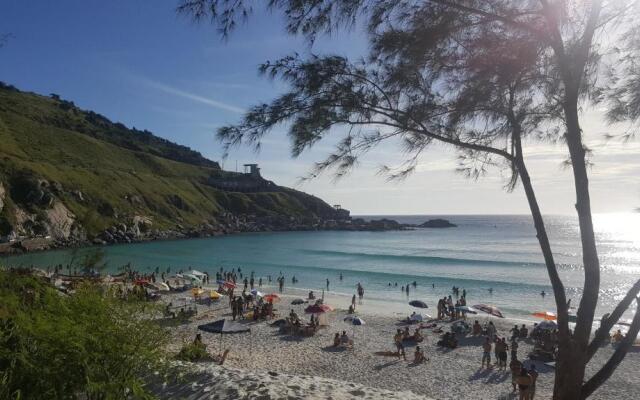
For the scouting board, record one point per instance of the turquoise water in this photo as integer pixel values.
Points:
(499, 252)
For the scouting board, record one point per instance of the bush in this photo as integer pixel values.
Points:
(89, 345)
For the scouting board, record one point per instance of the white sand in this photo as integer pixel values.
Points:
(214, 382)
(449, 374)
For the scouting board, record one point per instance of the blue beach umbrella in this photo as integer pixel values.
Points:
(466, 309)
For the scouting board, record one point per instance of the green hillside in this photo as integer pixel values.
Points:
(66, 171)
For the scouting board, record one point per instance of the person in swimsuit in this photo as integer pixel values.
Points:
(419, 356)
(516, 369)
(534, 377)
(524, 383)
(486, 353)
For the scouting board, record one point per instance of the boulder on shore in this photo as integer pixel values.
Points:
(437, 223)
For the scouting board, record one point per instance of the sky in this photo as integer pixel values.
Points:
(139, 63)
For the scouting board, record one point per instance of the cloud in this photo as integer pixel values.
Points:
(181, 93)
(192, 96)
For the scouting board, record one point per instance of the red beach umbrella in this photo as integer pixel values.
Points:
(271, 298)
(546, 315)
(318, 309)
(230, 285)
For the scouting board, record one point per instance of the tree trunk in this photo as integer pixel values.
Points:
(572, 356)
(570, 370)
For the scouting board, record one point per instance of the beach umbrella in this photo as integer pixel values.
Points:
(197, 273)
(220, 282)
(229, 284)
(418, 304)
(318, 309)
(271, 298)
(192, 277)
(257, 293)
(491, 310)
(296, 302)
(466, 309)
(224, 327)
(547, 325)
(546, 315)
(214, 295)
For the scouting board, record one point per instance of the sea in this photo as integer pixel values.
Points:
(496, 259)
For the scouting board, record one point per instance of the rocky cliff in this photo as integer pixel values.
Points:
(72, 177)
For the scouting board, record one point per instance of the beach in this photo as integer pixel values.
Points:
(448, 374)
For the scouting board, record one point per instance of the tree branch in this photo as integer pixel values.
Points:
(493, 16)
(610, 366)
(613, 318)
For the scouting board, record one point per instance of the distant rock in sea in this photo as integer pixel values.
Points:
(437, 223)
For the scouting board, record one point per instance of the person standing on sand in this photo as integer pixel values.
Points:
(327, 284)
(516, 367)
(524, 384)
(533, 373)
(353, 302)
(399, 346)
(486, 353)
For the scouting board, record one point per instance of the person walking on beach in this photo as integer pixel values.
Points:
(353, 302)
(327, 284)
(533, 373)
(524, 384)
(486, 353)
(516, 367)
(234, 309)
(360, 292)
(260, 282)
(399, 346)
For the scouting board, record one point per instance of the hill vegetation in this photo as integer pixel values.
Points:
(75, 176)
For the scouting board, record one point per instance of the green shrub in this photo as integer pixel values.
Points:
(193, 352)
(88, 345)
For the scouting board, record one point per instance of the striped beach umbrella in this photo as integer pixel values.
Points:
(491, 310)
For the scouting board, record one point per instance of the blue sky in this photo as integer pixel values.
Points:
(139, 63)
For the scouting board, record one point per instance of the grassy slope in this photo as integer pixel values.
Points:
(59, 145)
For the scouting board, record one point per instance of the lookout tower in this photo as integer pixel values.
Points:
(252, 169)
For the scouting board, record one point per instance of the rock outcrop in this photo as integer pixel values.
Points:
(437, 223)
